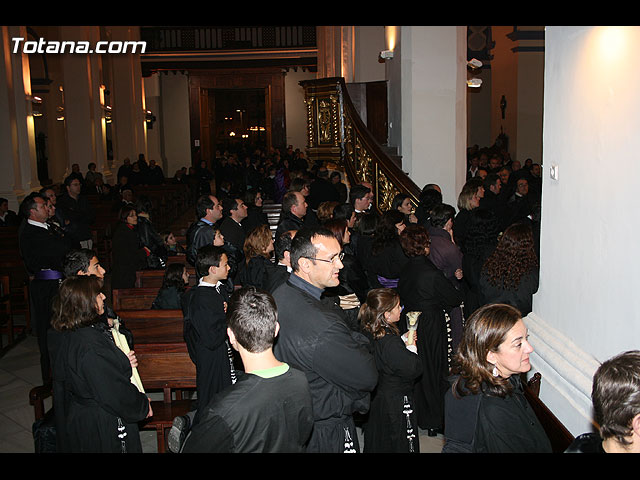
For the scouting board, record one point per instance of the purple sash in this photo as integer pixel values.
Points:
(48, 275)
(388, 282)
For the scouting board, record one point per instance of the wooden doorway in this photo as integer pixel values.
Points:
(212, 93)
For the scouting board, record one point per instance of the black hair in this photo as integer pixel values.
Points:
(282, 244)
(77, 260)
(302, 245)
(203, 204)
(208, 256)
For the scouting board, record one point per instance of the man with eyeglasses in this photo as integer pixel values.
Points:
(315, 338)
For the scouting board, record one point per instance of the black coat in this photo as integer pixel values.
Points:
(99, 398)
(199, 233)
(520, 297)
(424, 288)
(128, 257)
(288, 221)
(486, 424)
(341, 372)
(255, 273)
(255, 218)
(80, 213)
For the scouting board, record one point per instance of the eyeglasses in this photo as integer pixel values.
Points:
(339, 256)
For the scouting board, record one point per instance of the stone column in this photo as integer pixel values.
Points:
(17, 139)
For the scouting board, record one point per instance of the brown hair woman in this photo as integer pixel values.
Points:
(99, 405)
(486, 410)
(392, 426)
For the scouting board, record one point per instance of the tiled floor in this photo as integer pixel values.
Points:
(20, 372)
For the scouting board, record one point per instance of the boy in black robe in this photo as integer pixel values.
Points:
(205, 325)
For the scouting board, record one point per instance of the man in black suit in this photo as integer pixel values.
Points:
(281, 270)
(294, 209)
(75, 207)
(43, 254)
(321, 189)
(234, 211)
(8, 218)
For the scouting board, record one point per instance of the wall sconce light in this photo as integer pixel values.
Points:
(474, 64)
(386, 54)
(150, 118)
(474, 82)
(60, 108)
(33, 99)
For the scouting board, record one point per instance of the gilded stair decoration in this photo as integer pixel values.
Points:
(337, 135)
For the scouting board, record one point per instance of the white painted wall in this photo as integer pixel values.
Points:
(175, 123)
(295, 108)
(587, 308)
(434, 106)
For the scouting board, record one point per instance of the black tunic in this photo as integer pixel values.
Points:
(256, 415)
(392, 418)
(341, 372)
(100, 402)
(205, 333)
(424, 288)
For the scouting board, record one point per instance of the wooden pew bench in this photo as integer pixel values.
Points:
(166, 367)
(133, 298)
(153, 326)
(557, 433)
(153, 278)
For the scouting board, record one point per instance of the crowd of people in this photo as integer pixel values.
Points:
(398, 321)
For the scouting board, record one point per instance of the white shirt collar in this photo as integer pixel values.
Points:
(38, 224)
(202, 283)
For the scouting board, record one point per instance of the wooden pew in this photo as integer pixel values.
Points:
(557, 433)
(166, 367)
(133, 298)
(153, 326)
(153, 278)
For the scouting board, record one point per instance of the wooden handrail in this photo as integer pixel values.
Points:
(337, 134)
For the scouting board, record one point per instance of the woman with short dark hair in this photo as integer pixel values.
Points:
(486, 410)
(101, 405)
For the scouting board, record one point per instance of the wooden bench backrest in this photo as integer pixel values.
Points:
(133, 298)
(559, 437)
(153, 278)
(153, 326)
(165, 365)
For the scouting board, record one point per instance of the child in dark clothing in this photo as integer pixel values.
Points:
(173, 286)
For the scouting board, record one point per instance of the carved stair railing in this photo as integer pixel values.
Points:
(336, 134)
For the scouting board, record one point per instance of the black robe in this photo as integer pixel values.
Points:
(205, 333)
(341, 372)
(128, 257)
(424, 288)
(256, 415)
(42, 249)
(392, 424)
(102, 407)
